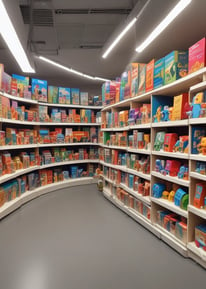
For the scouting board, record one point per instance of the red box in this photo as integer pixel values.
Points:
(197, 55)
(150, 75)
(169, 141)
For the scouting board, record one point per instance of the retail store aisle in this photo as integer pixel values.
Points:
(76, 239)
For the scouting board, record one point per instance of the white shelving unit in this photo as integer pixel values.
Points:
(192, 83)
(68, 163)
(68, 124)
(71, 105)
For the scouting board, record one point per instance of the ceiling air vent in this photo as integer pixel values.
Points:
(93, 11)
(91, 46)
(41, 17)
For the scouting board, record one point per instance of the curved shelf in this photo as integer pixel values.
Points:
(71, 105)
(68, 144)
(199, 212)
(144, 199)
(170, 206)
(183, 122)
(140, 126)
(68, 163)
(175, 180)
(11, 206)
(139, 151)
(18, 173)
(19, 98)
(68, 124)
(171, 154)
(15, 147)
(113, 147)
(139, 174)
(22, 122)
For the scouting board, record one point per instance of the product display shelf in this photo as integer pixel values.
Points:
(199, 157)
(22, 122)
(68, 163)
(197, 254)
(171, 154)
(110, 181)
(200, 120)
(113, 147)
(198, 87)
(25, 100)
(68, 124)
(137, 217)
(144, 199)
(11, 206)
(172, 241)
(170, 206)
(71, 105)
(199, 212)
(16, 147)
(140, 126)
(175, 180)
(18, 173)
(198, 176)
(139, 174)
(139, 151)
(122, 103)
(68, 144)
(183, 122)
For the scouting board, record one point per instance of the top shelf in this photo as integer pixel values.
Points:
(179, 86)
(25, 100)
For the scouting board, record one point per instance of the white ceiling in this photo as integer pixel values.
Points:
(65, 40)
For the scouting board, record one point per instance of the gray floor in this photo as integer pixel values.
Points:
(76, 239)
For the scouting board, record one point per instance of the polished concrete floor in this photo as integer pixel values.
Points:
(76, 239)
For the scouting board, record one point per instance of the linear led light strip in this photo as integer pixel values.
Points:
(125, 30)
(72, 70)
(10, 37)
(165, 22)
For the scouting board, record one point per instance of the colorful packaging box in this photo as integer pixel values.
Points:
(64, 95)
(149, 75)
(178, 106)
(52, 94)
(6, 82)
(142, 79)
(1, 74)
(22, 82)
(84, 98)
(176, 65)
(75, 95)
(197, 55)
(159, 73)
(39, 89)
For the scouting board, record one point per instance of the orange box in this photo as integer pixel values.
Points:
(178, 106)
(150, 75)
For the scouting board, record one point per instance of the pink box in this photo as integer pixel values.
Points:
(197, 56)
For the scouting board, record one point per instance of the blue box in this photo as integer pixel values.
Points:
(159, 73)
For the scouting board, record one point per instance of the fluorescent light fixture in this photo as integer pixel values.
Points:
(182, 4)
(119, 37)
(71, 70)
(10, 37)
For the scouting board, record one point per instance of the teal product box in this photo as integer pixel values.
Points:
(75, 95)
(142, 79)
(39, 89)
(159, 73)
(176, 65)
(64, 95)
(84, 98)
(52, 94)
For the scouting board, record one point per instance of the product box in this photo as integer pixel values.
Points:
(21, 82)
(75, 95)
(197, 56)
(134, 79)
(6, 82)
(64, 95)
(1, 74)
(149, 75)
(142, 79)
(52, 94)
(178, 106)
(97, 100)
(159, 73)
(39, 89)
(176, 65)
(84, 98)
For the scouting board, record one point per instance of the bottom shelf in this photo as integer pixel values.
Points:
(197, 254)
(137, 217)
(11, 206)
(172, 241)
